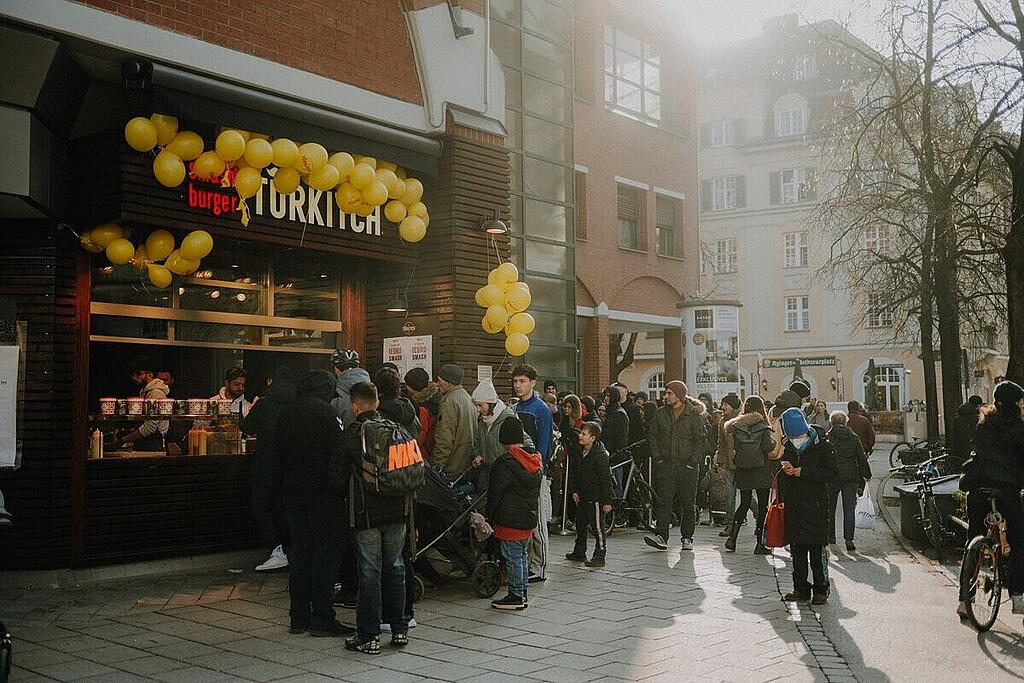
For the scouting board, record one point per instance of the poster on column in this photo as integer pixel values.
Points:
(9, 356)
(712, 350)
(414, 351)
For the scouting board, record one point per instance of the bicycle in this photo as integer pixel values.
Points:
(637, 500)
(985, 569)
(907, 453)
(932, 520)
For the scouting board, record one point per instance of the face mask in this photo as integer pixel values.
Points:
(800, 442)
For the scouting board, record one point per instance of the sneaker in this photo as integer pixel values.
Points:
(656, 542)
(795, 596)
(596, 562)
(1018, 603)
(369, 645)
(961, 610)
(277, 560)
(333, 630)
(536, 578)
(509, 602)
(575, 558)
(819, 599)
(399, 639)
(850, 547)
(687, 544)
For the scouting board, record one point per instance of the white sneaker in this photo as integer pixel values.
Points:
(1018, 603)
(277, 560)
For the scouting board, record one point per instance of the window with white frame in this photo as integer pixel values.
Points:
(632, 76)
(723, 192)
(656, 386)
(723, 133)
(725, 255)
(790, 122)
(876, 239)
(793, 183)
(805, 68)
(798, 314)
(879, 312)
(796, 249)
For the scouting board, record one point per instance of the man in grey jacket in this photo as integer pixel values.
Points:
(344, 364)
(454, 434)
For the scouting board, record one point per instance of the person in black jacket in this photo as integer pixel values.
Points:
(808, 465)
(615, 433)
(633, 412)
(854, 472)
(592, 493)
(380, 531)
(308, 443)
(513, 493)
(964, 426)
(265, 476)
(393, 405)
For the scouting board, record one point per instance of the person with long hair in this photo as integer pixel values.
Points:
(999, 461)
(752, 441)
(570, 422)
(820, 416)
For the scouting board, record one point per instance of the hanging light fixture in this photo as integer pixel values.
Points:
(399, 304)
(495, 226)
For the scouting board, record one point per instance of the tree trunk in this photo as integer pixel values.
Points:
(947, 307)
(1013, 255)
(621, 359)
(926, 320)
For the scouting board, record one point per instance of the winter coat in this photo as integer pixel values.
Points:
(308, 441)
(999, 455)
(401, 411)
(964, 426)
(806, 497)
(367, 510)
(453, 436)
(514, 490)
(682, 440)
(261, 422)
(861, 426)
(342, 402)
(541, 427)
(487, 446)
(593, 477)
(725, 454)
(615, 428)
(851, 462)
(822, 421)
(428, 408)
(751, 437)
(636, 422)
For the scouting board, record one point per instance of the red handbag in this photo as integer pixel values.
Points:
(775, 519)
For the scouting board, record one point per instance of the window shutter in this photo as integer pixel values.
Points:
(775, 187)
(666, 212)
(741, 191)
(629, 207)
(809, 190)
(705, 135)
(706, 199)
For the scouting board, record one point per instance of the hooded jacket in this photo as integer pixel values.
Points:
(806, 497)
(342, 402)
(453, 436)
(615, 430)
(400, 410)
(487, 446)
(679, 440)
(428, 408)
(513, 492)
(592, 476)
(261, 422)
(851, 463)
(308, 440)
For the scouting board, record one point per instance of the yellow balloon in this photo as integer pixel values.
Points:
(517, 344)
(102, 235)
(169, 169)
(479, 298)
(312, 157)
(248, 182)
(418, 209)
(197, 245)
(413, 191)
(399, 189)
(362, 176)
(286, 180)
(389, 179)
(258, 153)
(159, 276)
(89, 245)
(324, 178)
(363, 209)
(412, 229)
(348, 197)
(369, 161)
(517, 300)
(491, 295)
(344, 162)
(140, 133)
(497, 316)
(286, 153)
(209, 166)
(141, 259)
(386, 164)
(180, 265)
(520, 322)
(246, 135)
(120, 251)
(400, 172)
(376, 194)
(186, 144)
(506, 272)
(425, 218)
(489, 328)
(166, 128)
(159, 245)
(230, 145)
(394, 211)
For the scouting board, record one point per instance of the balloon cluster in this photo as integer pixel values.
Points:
(156, 256)
(506, 300)
(360, 183)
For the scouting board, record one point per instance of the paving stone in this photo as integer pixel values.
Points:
(73, 670)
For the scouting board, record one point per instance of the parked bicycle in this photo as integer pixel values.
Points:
(634, 505)
(985, 568)
(907, 453)
(940, 529)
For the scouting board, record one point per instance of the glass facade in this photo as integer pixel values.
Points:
(533, 39)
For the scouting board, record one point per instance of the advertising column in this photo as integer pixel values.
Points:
(711, 332)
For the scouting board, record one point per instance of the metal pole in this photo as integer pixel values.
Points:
(565, 496)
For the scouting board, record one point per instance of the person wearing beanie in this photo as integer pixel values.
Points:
(999, 465)
(677, 438)
(808, 468)
(722, 445)
(487, 447)
(801, 388)
(513, 492)
(426, 396)
(592, 493)
(454, 433)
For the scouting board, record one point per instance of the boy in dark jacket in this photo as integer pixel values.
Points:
(308, 443)
(379, 522)
(512, 495)
(809, 464)
(592, 493)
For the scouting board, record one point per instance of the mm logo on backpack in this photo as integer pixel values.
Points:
(392, 463)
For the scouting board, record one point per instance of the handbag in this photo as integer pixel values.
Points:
(775, 519)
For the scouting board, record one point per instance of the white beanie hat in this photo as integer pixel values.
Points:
(485, 392)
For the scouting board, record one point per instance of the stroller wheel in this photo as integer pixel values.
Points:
(486, 578)
(418, 588)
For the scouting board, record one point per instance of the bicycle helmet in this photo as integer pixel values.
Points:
(345, 358)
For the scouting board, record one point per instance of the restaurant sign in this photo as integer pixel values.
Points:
(811, 362)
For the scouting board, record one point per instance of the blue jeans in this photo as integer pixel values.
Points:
(517, 564)
(849, 492)
(381, 579)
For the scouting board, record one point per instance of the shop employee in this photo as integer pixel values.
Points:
(234, 389)
(150, 434)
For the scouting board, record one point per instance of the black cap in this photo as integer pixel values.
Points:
(732, 399)
(800, 388)
(417, 379)
(451, 373)
(1008, 392)
(511, 431)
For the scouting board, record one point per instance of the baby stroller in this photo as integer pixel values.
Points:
(446, 546)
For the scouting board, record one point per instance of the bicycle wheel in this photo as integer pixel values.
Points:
(983, 590)
(895, 459)
(934, 528)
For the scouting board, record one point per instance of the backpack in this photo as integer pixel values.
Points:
(747, 449)
(392, 464)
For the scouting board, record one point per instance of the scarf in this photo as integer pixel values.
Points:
(498, 408)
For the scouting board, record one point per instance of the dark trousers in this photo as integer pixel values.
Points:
(817, 558)
(381, 579)
(268, 509)
(1010, 506)
(672, 480)
(746, 501)
(849, 492)
(316, 522)
(588, 515)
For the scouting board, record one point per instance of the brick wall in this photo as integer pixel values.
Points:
(361, 42)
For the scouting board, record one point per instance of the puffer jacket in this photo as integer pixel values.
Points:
(806, 497)
(851, 463)
(308, 440)
(514, 490)
(999, 455)
(682, 440)
(488, 447)
(593, 477)
(342, 402)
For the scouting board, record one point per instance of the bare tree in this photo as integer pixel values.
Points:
(621, 358)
